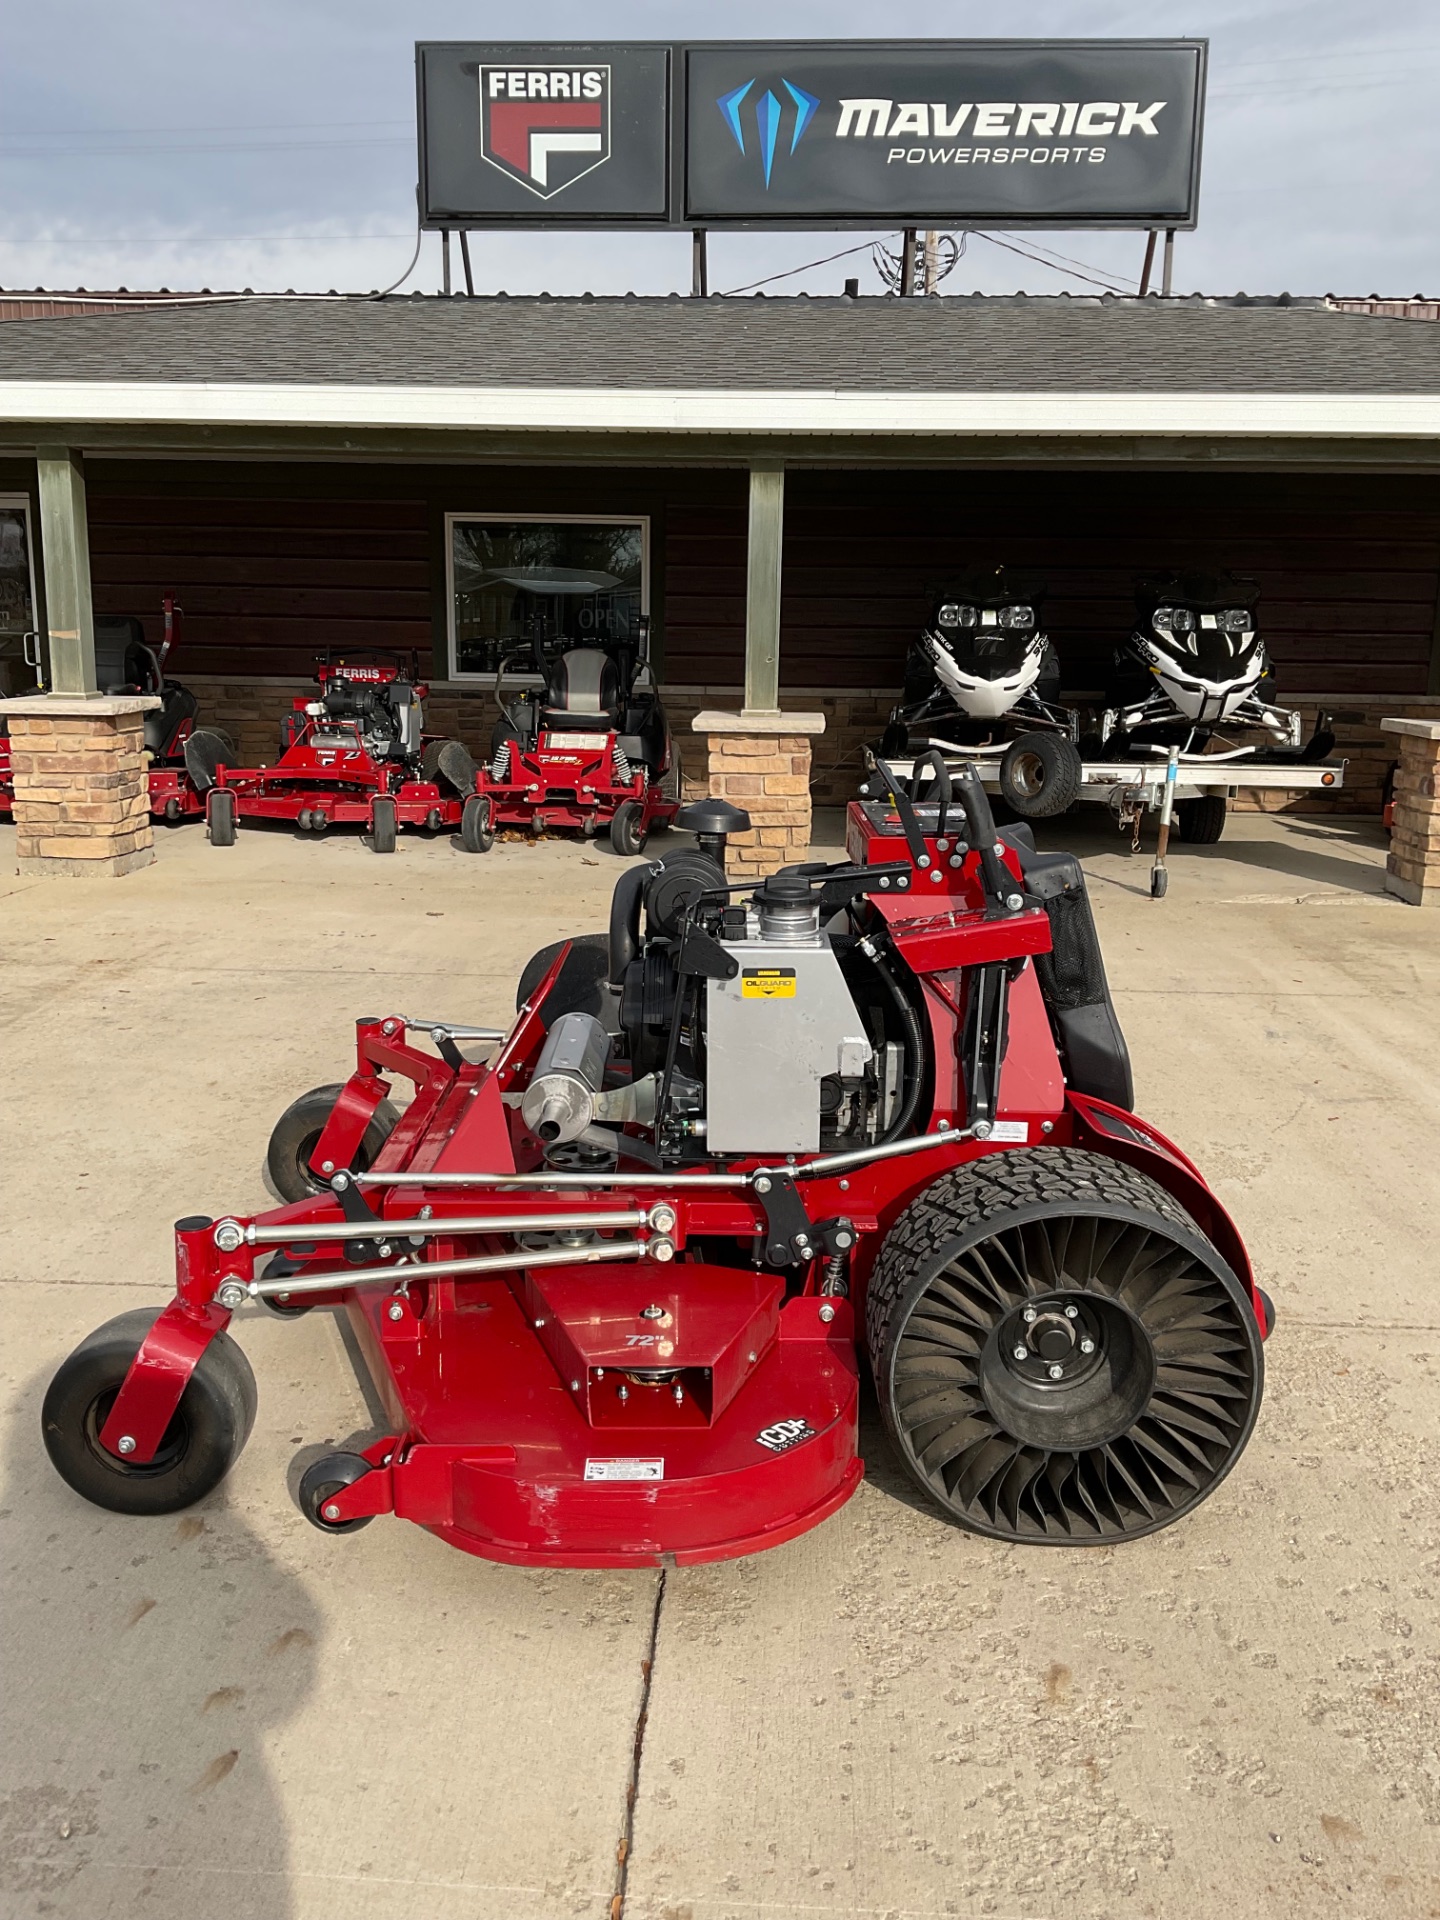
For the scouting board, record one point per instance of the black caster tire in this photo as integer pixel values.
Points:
(477, 833)
(1202, 820)
(1040, 775)
(1159, 882)
(326, 1478)
(281, 1267)
(625, 834)
(201, 1444)
(1117, 1406)
(297, 1132)
(220, 817)
(384, 829)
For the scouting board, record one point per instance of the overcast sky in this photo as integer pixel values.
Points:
(183, 143)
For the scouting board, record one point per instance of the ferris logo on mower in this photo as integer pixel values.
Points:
(546, 127)
(785, 1434)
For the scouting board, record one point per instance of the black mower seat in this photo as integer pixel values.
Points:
(583, 693)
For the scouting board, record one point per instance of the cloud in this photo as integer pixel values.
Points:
(167, 144)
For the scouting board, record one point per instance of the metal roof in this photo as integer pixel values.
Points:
(956, 345)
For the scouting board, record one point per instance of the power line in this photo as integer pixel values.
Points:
(790, 272)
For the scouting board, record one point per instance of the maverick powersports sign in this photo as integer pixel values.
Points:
(811, 133)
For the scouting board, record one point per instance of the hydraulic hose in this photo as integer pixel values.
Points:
(914, 1043)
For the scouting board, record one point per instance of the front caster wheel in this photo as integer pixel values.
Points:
(626, 836)
(220, 817)
(201, 1443)
(297, 1134)
(319, 1485)
(477, 830)
(1060, 1356)
(382, 825)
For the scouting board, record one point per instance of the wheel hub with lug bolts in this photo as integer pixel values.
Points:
(1051, 1341)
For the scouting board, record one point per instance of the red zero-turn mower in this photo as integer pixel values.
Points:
(614, 1284)
(357, 756)
(590, 749)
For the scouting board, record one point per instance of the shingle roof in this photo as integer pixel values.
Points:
(955, 344)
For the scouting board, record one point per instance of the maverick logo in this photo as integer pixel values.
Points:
(769, 114)
(546, 127)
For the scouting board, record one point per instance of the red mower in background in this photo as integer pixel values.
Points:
(356, 756)
(615, 1283)
(180, 752)
(589, 749)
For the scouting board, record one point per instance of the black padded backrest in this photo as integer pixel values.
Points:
(115, 634)
(584, 682)
(1072, 980)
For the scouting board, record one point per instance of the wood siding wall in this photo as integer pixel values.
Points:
(274, 564)
(1348, 568)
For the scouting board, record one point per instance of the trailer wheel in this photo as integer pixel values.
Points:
(220, 817)
(1040, 775)
(1060, 1356)
(322, 1481)
(296, 1134)
(200, 1445)
(383, 832)
(477, 834)
(625, 834)
(1202, 820)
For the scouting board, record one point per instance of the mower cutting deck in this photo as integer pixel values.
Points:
(614, 1282)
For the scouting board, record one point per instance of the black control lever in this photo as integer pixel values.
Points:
(1002, 890)
(933, 761)
(904, 807)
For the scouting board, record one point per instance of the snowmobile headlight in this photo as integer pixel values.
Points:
(1173, 620)
(1235, 620)
(1017, 619)
(952, 615)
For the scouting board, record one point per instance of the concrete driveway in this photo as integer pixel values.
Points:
(227, 1713)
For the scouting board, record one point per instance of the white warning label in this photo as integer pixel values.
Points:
(624, 1469)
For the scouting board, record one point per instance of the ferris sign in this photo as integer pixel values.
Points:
(812, 133)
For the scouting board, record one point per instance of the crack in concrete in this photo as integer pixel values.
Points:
(637, 1752)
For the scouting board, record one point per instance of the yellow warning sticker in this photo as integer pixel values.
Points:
(767, 983)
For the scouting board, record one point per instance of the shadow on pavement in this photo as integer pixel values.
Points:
(148, 1665)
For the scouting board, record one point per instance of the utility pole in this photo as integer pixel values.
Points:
(907, 262)
(699, 266)
(930, 279)
(1149, 263)
(1167, 272)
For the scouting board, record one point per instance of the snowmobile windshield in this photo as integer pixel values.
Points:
(985, 653)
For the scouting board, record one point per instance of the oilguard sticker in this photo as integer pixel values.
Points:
(1015, 1133)
(784, 1434)
(624, 1469)
(767, 983)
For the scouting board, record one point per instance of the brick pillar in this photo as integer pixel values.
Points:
(1413, 868)
(82, 803)
(761, 761)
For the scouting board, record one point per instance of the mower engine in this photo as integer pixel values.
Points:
(387, 710)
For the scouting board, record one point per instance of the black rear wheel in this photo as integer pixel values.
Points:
(200, 1445)
(296, 1135)
(1061, 1357)
(1040, 775)
(1202, 820)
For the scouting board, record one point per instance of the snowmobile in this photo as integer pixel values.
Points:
(983, 675)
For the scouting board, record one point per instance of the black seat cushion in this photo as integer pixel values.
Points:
(583, 690)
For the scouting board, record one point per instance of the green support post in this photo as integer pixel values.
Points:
(65, 546)
(762, 589)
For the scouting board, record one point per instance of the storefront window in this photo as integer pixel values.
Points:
(513, 582)
(17, 600)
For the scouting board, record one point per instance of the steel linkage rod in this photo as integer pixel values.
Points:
(233, 1291)
(432, 1229)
